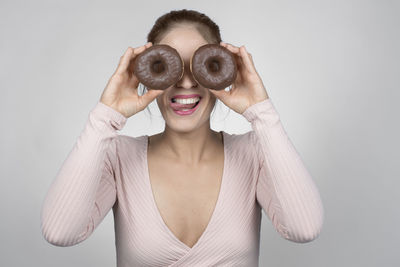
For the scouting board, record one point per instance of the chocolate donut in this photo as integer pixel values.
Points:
(213, 66)
(158, 67)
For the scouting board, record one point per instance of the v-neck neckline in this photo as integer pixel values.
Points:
(216, 207)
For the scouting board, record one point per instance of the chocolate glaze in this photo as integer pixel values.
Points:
(213, 66)
(158, 67)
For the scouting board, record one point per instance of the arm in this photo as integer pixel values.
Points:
(285, 189)
(84, 190)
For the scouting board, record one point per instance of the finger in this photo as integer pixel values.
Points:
(136, 52)
(220, 94)
(133, 82)
(233, 48)
(230, 47)
(150, 95)
(124, 60)
(250, 55)
(247, 59)
(238, 57)
(148, 44)
(129, 54)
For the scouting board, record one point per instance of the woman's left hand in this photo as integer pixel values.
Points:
(248, 88)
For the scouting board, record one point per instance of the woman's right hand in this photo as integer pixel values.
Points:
(121, 92)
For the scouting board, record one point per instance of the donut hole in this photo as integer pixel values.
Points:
(157, 67)
(213, 64)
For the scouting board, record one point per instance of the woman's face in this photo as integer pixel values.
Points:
(185, 40)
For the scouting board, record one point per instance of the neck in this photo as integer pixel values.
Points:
(189, 147)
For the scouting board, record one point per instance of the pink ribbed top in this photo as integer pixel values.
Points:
(106, 170)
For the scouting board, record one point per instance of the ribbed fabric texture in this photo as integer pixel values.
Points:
(106, 170)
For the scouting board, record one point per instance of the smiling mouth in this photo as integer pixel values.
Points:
(178, 106)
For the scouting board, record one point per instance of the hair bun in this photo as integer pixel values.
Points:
(213, 66)
(158, 67)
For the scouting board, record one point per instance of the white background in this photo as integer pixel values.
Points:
(331, 69)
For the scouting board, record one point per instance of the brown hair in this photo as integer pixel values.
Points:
(169, 21)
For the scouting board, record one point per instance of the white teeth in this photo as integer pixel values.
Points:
(186, 100)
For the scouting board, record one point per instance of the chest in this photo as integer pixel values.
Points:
(186, 196)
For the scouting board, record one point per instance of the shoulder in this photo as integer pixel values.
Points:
(243, 145)
(243, 157)
(124, 146)
(122, 139)
(241, 140)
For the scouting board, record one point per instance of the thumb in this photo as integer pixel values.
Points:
(220, 94)
(150, 95)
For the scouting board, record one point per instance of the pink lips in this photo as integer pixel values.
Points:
(177, 106)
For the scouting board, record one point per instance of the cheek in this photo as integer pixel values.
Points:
(213, 100)
(160, 101)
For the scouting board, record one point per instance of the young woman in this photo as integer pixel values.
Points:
(188, 196)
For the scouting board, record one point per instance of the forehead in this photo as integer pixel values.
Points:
(185, 40)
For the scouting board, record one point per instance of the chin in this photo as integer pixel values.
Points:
(187, 123)
(182, 127)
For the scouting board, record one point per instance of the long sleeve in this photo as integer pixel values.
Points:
(84, 189)
(285, 189)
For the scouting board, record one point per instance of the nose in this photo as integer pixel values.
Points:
(187, 81)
